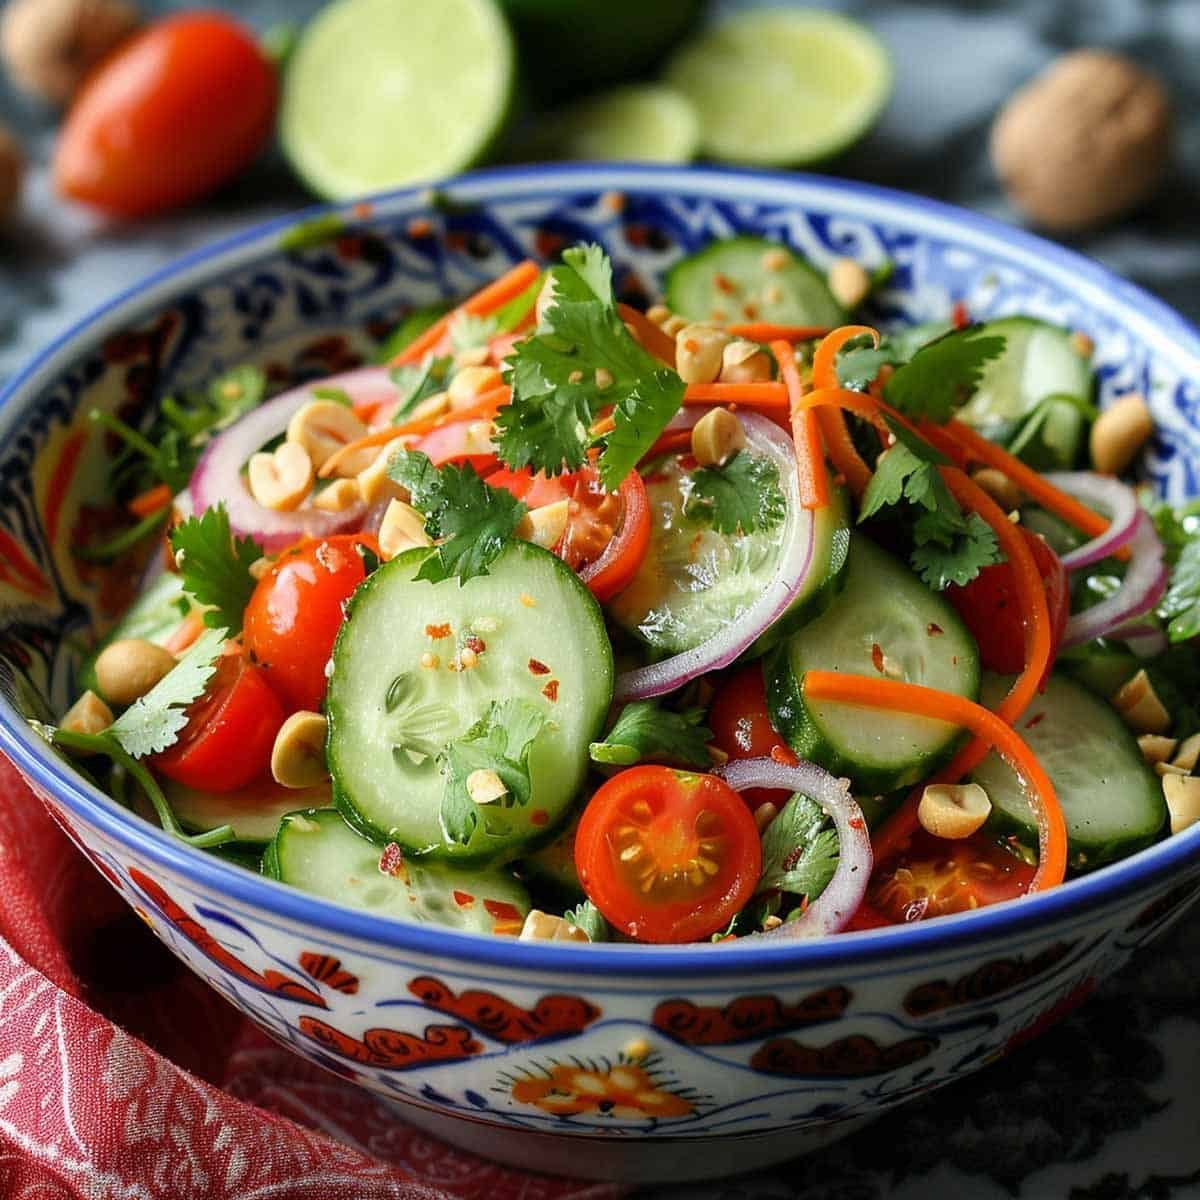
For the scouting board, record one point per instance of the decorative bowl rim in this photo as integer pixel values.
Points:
(1162, 326)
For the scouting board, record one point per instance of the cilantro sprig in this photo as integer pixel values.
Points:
(582, 359)
(743, 496)
(646, 731)
(474, 522)
(943, 374)
(799, 850)
(215, 566)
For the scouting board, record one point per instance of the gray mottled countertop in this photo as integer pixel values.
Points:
(1106, 1107)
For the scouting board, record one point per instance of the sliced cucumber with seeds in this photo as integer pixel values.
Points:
(252, 811)
(396, 700)
(1112, 801)
(694, 580)
(317, 852)
(886, 624)
(751, 279)
(1034, 397)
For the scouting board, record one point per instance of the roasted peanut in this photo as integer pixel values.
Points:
(1119, 432)
(544, 526)
(1155, 748)
(1182, 794)
(126, 670)
(953, 810)
(1188, 753)
(470, 383)
(999, 487)
(323, 427)
(698, 350)
(298, 755)
(402, 529)
(544, 927)
(485, 786)
(849, 282)
(716, 437)
(281, 479)
(340, 495)
(745, 362)
(1140, 707)
(374, 484)
(89, 714)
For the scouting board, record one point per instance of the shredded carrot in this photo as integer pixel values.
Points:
(838, 443)
(764, 331)
(1031, 596)
(989, 729)
(150, 501)
(806, 433)
(485, 301)
(186, 633)
(653, 339)
(673, 441)
(751, 395)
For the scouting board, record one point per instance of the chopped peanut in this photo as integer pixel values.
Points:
(545, 526)
(476, 356)
(1188, 753)
(340, 495)
(298, 755)
(437, 405)
(745, 362)
(1140, 707)
(402, 529)
(89, 714)
(485, 787)
(1182, 794)
(673, 324)
(658, 313)
(849, 282)
(544, 927)
(373, 483)
(999, 487)
(322, 428)
(764, 814)
(1119, 432)
(127, 669)
(1083, 345)
(698, 351)
(1155, 748)
(470, 383)
(716, 437)
(953, 811)
(280, 480)
(775, 259)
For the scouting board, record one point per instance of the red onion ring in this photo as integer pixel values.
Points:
(1116, 499)
(1141, 589)
(798, 536)
(217, 478)
(833, 908)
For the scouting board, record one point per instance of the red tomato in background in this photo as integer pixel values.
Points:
(227, 741)
(989, 607)
(296, 611)
(172, 114)
(667, 856)
(741, 726)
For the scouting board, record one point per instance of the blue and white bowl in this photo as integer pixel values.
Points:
(607, 1061)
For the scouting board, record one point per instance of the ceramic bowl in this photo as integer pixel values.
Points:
(609, 1061)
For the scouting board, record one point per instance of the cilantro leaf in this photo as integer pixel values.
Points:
(799, 850)
(151, 724)
(215, 566)
(587, 916)
(955, 555)
(500, 741)
(474, 522)
(418, 382)
(743, 496)
(645, 731)
(943, 374)
(469, 332)
(582, 359)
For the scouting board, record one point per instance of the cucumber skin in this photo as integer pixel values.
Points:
(789, 713)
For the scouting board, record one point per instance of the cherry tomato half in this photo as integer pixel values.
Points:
(989, 607)
(227, 740)
(934, 877)
(613, 568)
(174, 112)
(667, 856)
(742, 727)
(296, 611)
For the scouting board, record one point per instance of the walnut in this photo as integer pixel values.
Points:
(1084, 142)
(49, 46)
(12, 169)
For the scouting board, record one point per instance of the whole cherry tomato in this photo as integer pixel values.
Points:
(296, 611)
(989, 607)
(227, 740)
(172, 114)
(667, 856)
(742, 727)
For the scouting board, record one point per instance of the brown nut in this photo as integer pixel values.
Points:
(716, 437)
(127, 669)
(298, 755)
(49, 46)
(953, 810)
(545, 927)
(1083, 142)
(745, 362)
(999, 487)
(402, 528)
(322, 428)
(849, 282)
(470, 383)
(544, 526)
(89, 714)
(1140, 707)
(1182, 794)
(1119, 432)
(698, 351)
(280, 480)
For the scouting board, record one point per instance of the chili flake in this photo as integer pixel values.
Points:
(550, 691)
(877, 657)
(538, 668)
(437, 632)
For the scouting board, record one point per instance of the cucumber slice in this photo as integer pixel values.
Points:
(638, 123)
(733, 280)
(1038, 362)
(695, 581)
(917, 634)
(317, 852)
(553, 866)
(252, 811)
(382, 93)
(783, 87)
(1102, 667)
(1112, 801)
(530, 608)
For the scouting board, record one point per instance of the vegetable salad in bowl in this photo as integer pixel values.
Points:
(730, 618)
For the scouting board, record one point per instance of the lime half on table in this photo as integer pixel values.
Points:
(783, 87)
(383, 93)
(645, 122)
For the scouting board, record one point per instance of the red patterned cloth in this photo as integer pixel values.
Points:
(122, 1075)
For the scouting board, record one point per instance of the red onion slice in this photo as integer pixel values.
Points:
(1141, 589)
(834, 907)
(1117, 500)
(217, 478)
(797, 537)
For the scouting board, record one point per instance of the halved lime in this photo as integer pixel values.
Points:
(645, 122)
(780, 87)
(383, 93)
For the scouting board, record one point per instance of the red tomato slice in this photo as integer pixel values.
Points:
(934, 877)
(667, 856)
(458, 442)
(296, 611)
(620, 553)
(742, 726)
(173, 113)
(989, 607)
(227, 741)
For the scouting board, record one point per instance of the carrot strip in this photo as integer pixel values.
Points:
(672, 442)
(838, 443)
(486, 300)
(825, 355)
(751, 395)
(806, 433)
(764, 331)
(890, 837)
(651, 337)
(150, 501)
(989, 729)
(186, 633)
